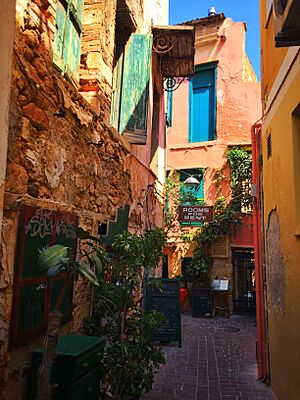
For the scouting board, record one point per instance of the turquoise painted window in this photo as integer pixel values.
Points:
(202, 107)
(190, 194)
(67, 39)
(131, 88)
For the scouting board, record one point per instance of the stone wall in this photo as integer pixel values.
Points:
(62, 153)
(7, 31)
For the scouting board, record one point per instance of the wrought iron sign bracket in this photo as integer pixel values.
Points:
(171, 84)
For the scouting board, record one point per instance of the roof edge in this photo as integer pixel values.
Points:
(212, 18)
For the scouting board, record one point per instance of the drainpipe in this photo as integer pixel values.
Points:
(260, 305)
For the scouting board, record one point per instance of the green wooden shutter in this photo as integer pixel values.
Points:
(135, 88)
(116, 94)
(78, 6)
(60, 23)
(72, 44)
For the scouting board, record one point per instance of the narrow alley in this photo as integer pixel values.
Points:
(216, 362)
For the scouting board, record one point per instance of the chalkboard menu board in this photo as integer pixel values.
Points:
(201, 302)
(34, 293)
(167, 303)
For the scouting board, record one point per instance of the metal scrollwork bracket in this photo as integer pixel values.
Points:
(171, 84)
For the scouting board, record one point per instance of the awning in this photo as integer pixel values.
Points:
(174, 46)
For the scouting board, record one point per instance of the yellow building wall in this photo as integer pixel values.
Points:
(271, 56)
(280, 184)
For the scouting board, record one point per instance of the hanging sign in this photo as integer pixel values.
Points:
(200, 214)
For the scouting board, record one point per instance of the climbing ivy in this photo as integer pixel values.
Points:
(240, 161)
(227, 214)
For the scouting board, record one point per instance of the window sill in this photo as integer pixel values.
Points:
(193, 145)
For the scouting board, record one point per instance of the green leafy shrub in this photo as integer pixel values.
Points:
(130, 359)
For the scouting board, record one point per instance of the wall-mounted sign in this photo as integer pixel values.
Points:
(200, 214)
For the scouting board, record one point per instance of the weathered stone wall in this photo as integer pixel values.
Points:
(7, 32)
(62, 153)
(97, 54)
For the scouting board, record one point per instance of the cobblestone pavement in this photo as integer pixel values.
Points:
(217, 361)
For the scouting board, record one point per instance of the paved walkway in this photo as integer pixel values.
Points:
(216, 362)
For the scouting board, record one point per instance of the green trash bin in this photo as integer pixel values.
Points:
(76, 371)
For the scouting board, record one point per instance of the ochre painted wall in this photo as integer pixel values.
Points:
(281, 212)
(269, 52)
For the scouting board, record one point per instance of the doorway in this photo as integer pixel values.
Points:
(244, 281)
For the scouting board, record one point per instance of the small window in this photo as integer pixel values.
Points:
(202, 107)
(191, 195)
(269, 145)
(102, 229)
(67, 39)
(220, 247)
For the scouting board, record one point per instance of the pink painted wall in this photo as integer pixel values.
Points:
(238, 105)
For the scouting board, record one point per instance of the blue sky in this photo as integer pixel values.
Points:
(239, 10)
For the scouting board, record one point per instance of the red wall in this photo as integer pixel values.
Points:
(244, 235)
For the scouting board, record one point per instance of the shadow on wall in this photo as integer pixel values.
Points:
(218, 186)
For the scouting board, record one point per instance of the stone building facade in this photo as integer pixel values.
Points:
(64, 162)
